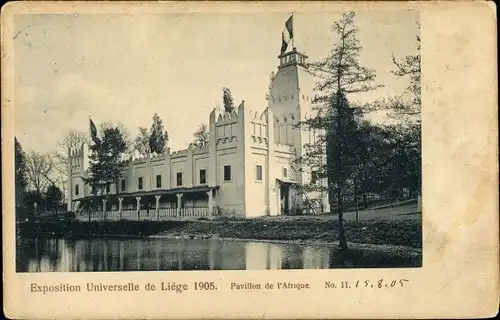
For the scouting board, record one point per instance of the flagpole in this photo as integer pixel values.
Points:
(293, 36)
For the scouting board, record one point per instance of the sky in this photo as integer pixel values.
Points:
(125, 67)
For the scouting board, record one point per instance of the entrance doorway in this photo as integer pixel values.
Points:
(285, 198)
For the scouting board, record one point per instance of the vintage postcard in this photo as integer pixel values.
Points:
(229, 160)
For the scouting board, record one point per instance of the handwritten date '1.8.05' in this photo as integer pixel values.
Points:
(375, 284)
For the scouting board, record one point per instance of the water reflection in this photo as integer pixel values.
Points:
(60, 255)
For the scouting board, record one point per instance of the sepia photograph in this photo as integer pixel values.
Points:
(249, 160)
(223, 145)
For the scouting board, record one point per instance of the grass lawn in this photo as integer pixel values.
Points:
(400, 232)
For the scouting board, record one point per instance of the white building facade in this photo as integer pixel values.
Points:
(248, 169)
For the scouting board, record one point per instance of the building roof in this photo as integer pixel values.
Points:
(155, 192)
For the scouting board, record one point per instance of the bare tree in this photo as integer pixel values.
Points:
(73, 140)
(201, 137)
(38, 168)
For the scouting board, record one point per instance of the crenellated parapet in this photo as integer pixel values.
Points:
(179, 153)
(227, 117)
(228, 126)
(76, 158)
(199, 150)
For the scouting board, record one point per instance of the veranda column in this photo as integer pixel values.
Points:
(179, 202)
(157, 197)
(138, 207)
(120, 207)
(104, 208)
(210, 205)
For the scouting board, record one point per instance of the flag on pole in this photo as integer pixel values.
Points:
(284, 43)
(287, 34)
(289, 27)
(93, 132)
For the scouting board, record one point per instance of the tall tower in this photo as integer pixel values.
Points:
(291, 99)
(291, 87)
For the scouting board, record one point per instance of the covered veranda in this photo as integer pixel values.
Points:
(154, 205)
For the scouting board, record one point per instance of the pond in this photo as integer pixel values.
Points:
(163, 254)
(166, 254)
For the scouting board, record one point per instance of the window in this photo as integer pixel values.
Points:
(139, 183)
(158, 180)
(258, 173)
(227, 173)
(77, 190)
(314, 176)
(285, 172)
(203, 176)
(108, 187)
(179, 178)
(123, 185)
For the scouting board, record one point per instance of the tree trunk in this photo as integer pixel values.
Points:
(340, 211)
(356, 199)
(340, 173)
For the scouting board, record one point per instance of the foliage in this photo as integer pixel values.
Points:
(228, 100)
(141, 142)
(32, 197)
(201, 136)
(104, 159)
(406, 107)
(404, 166)
(125, 134)
(341, 69)
(21, 179)
(333, 155)
(53, 198)
(154, 141)
(158, 137)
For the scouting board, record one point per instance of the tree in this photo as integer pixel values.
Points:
(409, 67)
(53, 198)
(104, 167)
(33, 197)
(73, 141)
(158, 137)
(124, 133)
(406, 107)
(38, 167)
(340, 73)
(228, 100)
(21, 179)
(141, 142)
(404, 169)
(201, 136)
